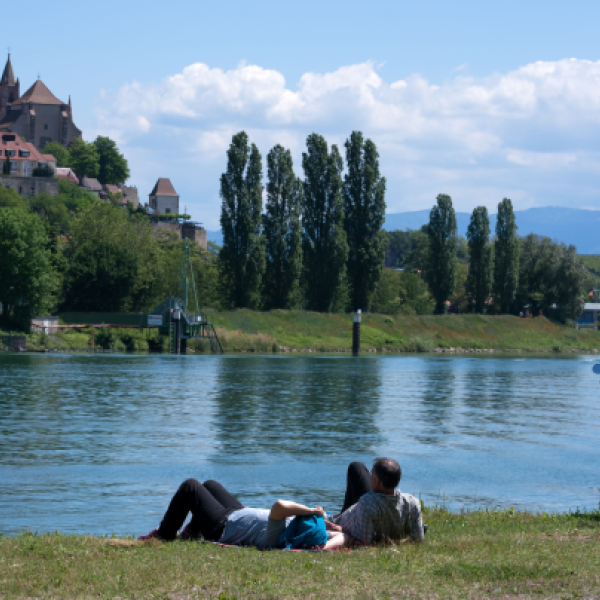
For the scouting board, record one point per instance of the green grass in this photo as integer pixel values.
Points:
(280, 331)
(481, 554)
(301, 330)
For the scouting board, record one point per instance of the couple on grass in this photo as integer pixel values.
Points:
(373, 512)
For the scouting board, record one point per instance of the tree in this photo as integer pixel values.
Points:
(364, 211)
(53, 209)
(60, 153)
(417, 256)
(283, 232)
(506, 257)
(27, 275)
(403, 293)
(242, 256)
(324, 242)
(10, 199)
(479, 279)
(441, 264)
(6, 167)
(84, 158)
(113, 167)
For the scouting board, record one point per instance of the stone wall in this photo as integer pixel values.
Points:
(130, 194)
(185, 231)
(27, 187)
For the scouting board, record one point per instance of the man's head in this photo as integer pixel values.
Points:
(385, 475)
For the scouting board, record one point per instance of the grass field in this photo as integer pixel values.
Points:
(280, 331)
(302, 330)
(470, 555)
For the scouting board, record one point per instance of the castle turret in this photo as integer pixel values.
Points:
(9, 88)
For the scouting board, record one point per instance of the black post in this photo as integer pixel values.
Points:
(356, 334)
(183, 346)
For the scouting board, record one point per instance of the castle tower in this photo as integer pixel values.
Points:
(9, 87)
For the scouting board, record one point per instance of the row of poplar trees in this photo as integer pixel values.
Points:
(319, 244)
(493, 271)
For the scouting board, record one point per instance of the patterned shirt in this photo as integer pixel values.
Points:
(380, 517)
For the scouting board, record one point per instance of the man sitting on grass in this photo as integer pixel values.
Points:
(373, 511)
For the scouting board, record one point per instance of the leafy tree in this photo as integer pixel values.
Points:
(84, 158)
(441, 265)
(569, 275)
(75, 198)
(417, 257)
(402, 293)
(242, 257)
(113, 167)
(398, 246)
(324, 242)
(134, 250)
(283, 232)
(27, 275)
(506, 257)
(100, 277)
(10, 199)
(364, 210)
(53, 209)
(479, 280)
(60, 153)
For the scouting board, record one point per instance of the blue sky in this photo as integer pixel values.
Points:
(479, 100)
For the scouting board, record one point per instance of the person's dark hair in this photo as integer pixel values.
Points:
(388, 471)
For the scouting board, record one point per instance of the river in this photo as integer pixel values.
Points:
(98, 443)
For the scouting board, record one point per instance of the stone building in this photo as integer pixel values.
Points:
(164, 199)
(37, 115)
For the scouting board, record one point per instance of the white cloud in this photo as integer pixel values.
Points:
(531, 131)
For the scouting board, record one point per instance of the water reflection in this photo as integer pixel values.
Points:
(312, 406)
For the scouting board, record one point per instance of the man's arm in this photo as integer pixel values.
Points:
(414, 523)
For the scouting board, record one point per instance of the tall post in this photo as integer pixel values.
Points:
(356, 334)
(177, 319)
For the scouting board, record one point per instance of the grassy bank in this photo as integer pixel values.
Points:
(472, 555)
(300, 330)
(282, 331)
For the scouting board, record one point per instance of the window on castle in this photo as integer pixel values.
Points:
(46, 126)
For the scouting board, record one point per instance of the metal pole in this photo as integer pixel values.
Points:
(356, 334)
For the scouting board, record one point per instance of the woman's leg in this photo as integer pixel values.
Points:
(208, 515)
(358, 484)
(222, 496)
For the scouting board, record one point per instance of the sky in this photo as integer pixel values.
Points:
(478, 100)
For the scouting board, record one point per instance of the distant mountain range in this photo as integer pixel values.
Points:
(569, 225)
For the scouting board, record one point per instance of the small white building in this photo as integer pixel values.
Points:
(163, 198)
(589, 315)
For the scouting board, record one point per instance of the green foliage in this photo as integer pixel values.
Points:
(112, 165)
(479, 280)
(242, 256)
(53, 208)
(364, 211)
(402, 293)
(10, 199)
(441, 263)
(60, 153)
(550, 274)
(506, 257)
(324, 242)
(282, 231)
(43, 171)
(84, 158)
(75, 198)
(27, 275)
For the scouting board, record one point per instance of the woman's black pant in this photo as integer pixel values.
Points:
(210, 504)
(358, 483)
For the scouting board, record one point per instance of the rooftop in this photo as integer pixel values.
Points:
(39, 94)
(164, 187)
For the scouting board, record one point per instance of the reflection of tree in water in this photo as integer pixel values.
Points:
(438, 387)
(297, 406)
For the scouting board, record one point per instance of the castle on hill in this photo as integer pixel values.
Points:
(37, 115)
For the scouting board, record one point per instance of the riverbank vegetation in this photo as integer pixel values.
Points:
(479, 554)
(318, 246)
(296, 331)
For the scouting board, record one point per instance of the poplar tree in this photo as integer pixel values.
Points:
(242, 256)
(283, 232)
(479, 279)
(506, 256)
(324, 244)
(364, 210)
(441, 264)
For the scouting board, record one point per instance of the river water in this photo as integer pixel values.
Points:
(98, 444)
